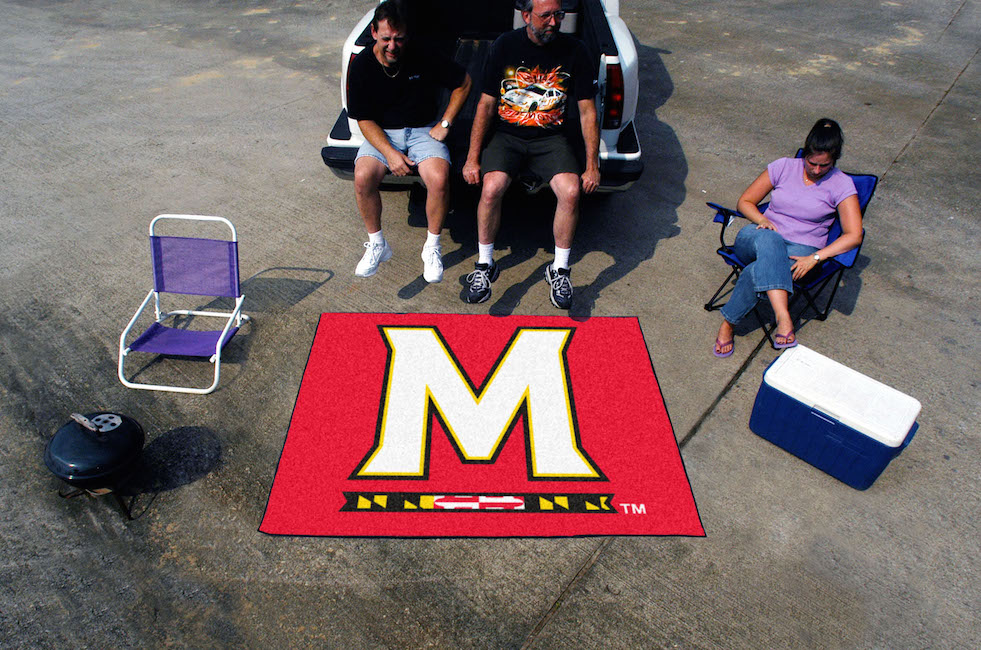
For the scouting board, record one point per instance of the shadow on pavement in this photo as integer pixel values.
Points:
(172, 460)
(278, 288)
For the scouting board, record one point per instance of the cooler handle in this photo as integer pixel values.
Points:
(823, 416)
(839, 440)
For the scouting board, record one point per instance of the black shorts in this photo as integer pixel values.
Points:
(544, 157)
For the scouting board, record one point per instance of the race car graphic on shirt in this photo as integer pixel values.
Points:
(533, 97)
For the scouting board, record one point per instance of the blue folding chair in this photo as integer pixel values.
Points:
(827, 274)
(188, 266)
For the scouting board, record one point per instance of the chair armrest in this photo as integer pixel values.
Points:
(725, 217)
(723, 213)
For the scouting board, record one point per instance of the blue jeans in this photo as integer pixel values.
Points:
(767, 258)
(415, 142)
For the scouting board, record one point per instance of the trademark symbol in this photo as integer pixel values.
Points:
(634, 508)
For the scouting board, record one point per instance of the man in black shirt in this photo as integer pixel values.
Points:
(532, 76)
(394, 90)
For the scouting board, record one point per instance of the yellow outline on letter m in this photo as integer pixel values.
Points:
(423, 378)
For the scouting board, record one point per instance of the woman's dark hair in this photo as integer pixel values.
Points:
(393, 12)
(825, 137)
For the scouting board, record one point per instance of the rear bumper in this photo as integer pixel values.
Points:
(618, 169)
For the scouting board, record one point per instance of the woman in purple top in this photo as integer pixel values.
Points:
(787, 241)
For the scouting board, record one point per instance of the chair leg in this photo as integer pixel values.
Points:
(215, 359)
(712, 305)
(810, 299)
(827, 307)
(821, 313)
(768, 330)
(810, 296)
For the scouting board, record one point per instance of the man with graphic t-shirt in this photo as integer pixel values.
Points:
(532, 77)
(394, 97)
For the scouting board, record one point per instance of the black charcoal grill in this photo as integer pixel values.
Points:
(95, 453)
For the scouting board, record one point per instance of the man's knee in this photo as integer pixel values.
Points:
(566, 187)
(435, 174)
(494, 186)
(368, 174)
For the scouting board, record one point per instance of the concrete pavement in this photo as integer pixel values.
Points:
(112, 112)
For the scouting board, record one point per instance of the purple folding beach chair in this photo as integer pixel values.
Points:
(188, 266)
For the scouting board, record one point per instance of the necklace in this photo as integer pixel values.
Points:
(391, 76)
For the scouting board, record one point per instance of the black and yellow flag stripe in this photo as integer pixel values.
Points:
(478, 502)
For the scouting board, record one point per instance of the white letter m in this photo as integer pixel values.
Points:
(530, 377)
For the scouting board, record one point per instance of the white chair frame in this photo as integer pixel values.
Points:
(235, 316)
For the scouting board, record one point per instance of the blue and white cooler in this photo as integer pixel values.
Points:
(835, 418)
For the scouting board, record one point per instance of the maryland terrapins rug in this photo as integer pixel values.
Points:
(425, 425)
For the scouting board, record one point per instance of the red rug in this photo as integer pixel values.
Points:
(423, 425)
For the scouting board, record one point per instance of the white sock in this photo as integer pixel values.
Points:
(561, 258)
(485, 253)
(432, 240)
(376, 237)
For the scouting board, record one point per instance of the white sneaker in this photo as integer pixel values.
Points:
(432, 263)
(373, 256)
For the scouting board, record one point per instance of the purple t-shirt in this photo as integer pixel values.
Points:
(804, 213)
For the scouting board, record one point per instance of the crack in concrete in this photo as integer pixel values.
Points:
(583, 570)
(725, 390)
(952, 19)
(594, 557)
(930, 114)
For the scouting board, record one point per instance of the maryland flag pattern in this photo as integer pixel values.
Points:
(489, 503)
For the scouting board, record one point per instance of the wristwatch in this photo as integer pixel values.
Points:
(444, 124)
(817, 258)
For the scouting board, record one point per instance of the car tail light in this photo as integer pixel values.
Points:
(613, 101)
(347, 78)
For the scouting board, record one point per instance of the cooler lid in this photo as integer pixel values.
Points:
(848, 396)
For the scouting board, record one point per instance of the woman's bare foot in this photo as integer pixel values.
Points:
(724, 342)
(785, 329)
(785, 324)
(785, 336)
